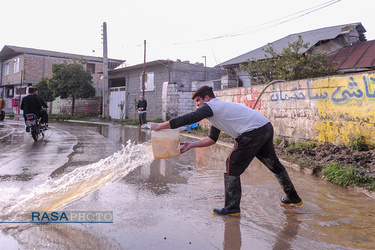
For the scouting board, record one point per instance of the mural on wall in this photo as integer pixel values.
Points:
(249, 97)
(346, 109)
(330, 109)
(345, 106)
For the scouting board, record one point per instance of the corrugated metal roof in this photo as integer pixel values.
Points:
(357, 56)
(140, 66)
(312, 37)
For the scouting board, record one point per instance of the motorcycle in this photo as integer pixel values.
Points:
(33, 126)
(2, 115)
(2, 106)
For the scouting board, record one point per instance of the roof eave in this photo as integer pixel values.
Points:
(9, 52)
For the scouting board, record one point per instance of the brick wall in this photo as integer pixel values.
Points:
(37, 64)
(12, 77)
(37, 67)
(86, 107)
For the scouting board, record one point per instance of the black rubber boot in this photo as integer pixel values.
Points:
(291, 197)
(232, 196)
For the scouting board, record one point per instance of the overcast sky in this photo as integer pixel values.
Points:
(173, 29)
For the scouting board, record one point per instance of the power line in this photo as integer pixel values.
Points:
(270, 23)
(262, 26)
(292, 17)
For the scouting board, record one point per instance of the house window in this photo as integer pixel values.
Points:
(10, 93)
(91, 67)
(149, 82)
(6, 69)
(16, 65)
(21, 91)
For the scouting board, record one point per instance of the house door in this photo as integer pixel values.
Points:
(117, 96)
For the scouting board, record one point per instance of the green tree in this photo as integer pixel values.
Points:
(44, 91)
(71, 80)
(290, 64)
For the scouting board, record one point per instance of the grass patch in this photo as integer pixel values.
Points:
(224, 135)
(302, 145)
(132, 122)
(69, 117)
(205, 131)
(197, 130)
(135, 122)
(348, 176)
(62, 117)
(278, 141)
(358, 144)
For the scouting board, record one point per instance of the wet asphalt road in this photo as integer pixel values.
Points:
(165, 204)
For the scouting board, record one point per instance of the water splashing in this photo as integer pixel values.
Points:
(54, 194)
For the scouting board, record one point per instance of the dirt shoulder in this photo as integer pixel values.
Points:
(323, 154)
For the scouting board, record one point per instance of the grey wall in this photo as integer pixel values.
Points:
(179, 74)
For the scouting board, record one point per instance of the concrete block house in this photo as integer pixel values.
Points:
(168, 87)
(22, 67)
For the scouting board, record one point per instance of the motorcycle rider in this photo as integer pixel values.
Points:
(30, 104)
(2, 106)
(43, 111)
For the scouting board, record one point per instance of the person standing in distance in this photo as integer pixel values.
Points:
(142, 106)
(253, 135)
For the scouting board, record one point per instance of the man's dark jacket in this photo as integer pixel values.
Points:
(31, 104)
(142, 104)
(44, 104)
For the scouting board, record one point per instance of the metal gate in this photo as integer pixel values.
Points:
(116, 99)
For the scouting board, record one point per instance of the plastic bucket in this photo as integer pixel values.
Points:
(165, 143)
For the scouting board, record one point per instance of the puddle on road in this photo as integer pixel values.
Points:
(331, 217)
(182, 191)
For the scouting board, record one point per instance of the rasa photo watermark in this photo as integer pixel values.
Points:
(72, 217)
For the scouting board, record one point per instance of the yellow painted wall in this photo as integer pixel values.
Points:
(330, 109)
(346, 107)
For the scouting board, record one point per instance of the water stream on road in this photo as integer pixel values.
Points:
(56, 193)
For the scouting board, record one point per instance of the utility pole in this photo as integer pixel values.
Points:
(105, 111)
(20, 90)
(144, 70)
(205, 73)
